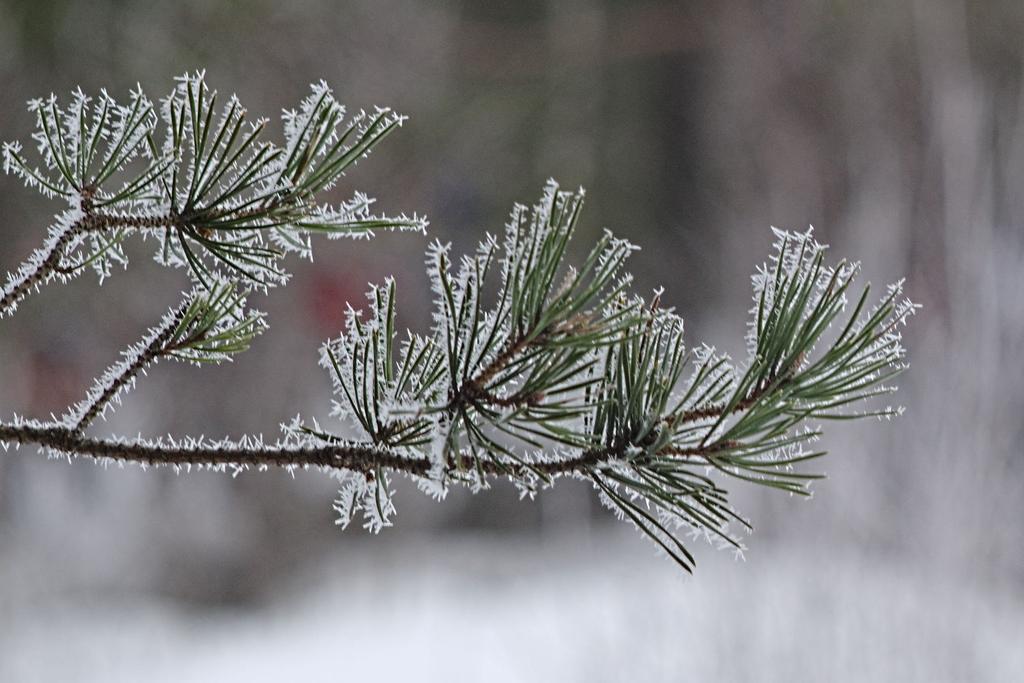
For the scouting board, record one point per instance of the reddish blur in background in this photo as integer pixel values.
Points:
(895, 127)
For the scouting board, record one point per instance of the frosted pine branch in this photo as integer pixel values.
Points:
(120, 378)
(534, 369)
(208, 327)
(43, 265)
(219, 199)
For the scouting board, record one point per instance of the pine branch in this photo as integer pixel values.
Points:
(47, 263)
(563, 373)
(68, 441)
(121, 376)
(635, 429)
(717, 411)
(475, 388)
(208, 327)
(37, 270)
(221, 201)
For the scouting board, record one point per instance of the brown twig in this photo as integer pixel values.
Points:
(716, 411)
(156, 348)
(336, 455)
(475, 389)
(49, 264)
(90, 222)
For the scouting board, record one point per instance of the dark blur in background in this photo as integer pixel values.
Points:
(895, 127)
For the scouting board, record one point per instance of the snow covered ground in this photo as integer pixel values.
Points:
(532, 609)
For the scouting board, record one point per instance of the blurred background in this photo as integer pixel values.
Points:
(895, 127)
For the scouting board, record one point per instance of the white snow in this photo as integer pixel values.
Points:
(513, 609)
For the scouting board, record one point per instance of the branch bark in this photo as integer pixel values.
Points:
(362, 457)
(95, 403)
(15, 291)
(338, 456)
